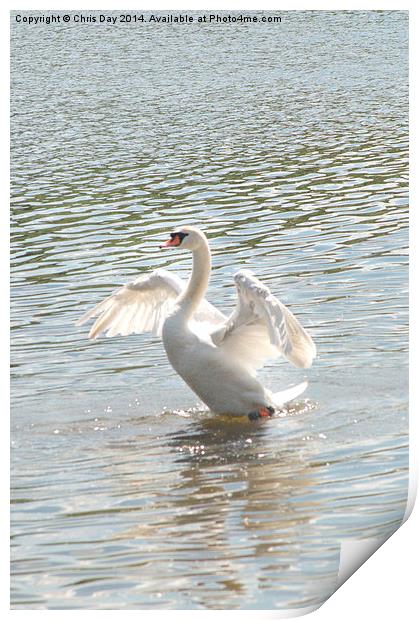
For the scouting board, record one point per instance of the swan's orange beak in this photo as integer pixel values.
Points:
(173, 242)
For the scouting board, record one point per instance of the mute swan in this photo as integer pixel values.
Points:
(217, 356)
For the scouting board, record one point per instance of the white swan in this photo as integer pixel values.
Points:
(217, 356)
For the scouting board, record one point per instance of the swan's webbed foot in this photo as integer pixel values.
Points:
(263, 412)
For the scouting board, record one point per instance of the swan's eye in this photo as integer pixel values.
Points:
(180, 235)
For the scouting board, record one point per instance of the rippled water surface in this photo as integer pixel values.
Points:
(287, 143)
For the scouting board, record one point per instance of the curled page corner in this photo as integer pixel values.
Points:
(353, 554)
(289, 613)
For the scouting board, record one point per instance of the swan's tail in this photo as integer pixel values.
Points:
(282, 398)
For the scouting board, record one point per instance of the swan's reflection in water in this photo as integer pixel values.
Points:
(238, 517)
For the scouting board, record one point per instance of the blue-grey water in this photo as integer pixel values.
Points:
(288, 144)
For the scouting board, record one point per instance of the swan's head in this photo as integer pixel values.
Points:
(186, 238)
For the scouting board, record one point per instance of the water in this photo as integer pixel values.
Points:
(288, 145)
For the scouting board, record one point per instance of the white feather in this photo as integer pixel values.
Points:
(261, 327)
(143, 305)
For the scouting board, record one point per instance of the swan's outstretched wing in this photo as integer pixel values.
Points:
(261, 327)
(143, 305)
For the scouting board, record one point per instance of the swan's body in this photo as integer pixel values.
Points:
(215, 355)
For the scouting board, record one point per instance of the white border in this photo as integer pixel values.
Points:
(385, 587)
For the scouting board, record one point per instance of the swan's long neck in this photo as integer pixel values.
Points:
(198, 282)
